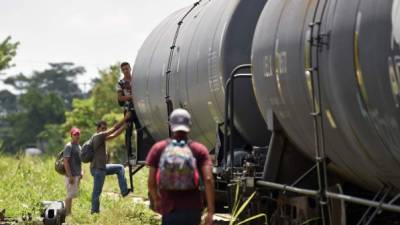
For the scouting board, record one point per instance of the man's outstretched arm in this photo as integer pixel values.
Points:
(117, 125)
(116, 133)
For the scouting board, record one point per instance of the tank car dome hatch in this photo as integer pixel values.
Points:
(213, 39)
(360, 117)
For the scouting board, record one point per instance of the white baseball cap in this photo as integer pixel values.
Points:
(180, 120)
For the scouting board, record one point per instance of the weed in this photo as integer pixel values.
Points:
(236, 210)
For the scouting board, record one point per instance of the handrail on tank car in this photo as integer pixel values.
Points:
(167, 97)
(380, 205)
(229, 97)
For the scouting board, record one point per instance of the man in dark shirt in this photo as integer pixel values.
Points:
(181, 207)
(99, 167)
(73, 168)
(125, 98)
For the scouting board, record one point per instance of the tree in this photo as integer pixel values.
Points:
(38, 109)
(101, 105)
(8, 102)
(104, 92)
(42, 115)
(7, 51)
(53, 137)
(83, 116)
(35, 116)
(59, 79)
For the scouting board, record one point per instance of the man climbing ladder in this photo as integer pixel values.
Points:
(125, 100)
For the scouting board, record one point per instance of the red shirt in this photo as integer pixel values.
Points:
(170, 200)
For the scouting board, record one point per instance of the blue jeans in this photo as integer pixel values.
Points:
(182, 217)
(99, 176)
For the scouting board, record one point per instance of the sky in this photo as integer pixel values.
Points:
(90, 33)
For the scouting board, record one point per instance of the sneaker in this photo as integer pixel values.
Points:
(127, 192)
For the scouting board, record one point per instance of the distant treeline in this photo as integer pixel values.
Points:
(48, 103)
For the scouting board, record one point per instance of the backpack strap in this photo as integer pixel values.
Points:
(91, 142)
(169, 140)
(188, 143)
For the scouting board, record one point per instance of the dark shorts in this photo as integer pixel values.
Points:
(182, 217)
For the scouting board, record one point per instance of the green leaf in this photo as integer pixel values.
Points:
(310, 220)
(7, 51)
(254, 217)
(244, 205)
(236, 202)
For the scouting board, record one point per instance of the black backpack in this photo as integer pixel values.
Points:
(87, 152)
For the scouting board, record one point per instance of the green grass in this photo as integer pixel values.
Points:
(26, 181)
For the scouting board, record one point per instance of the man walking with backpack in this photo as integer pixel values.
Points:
(73, 168)
(177, 167)
(99, 167)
